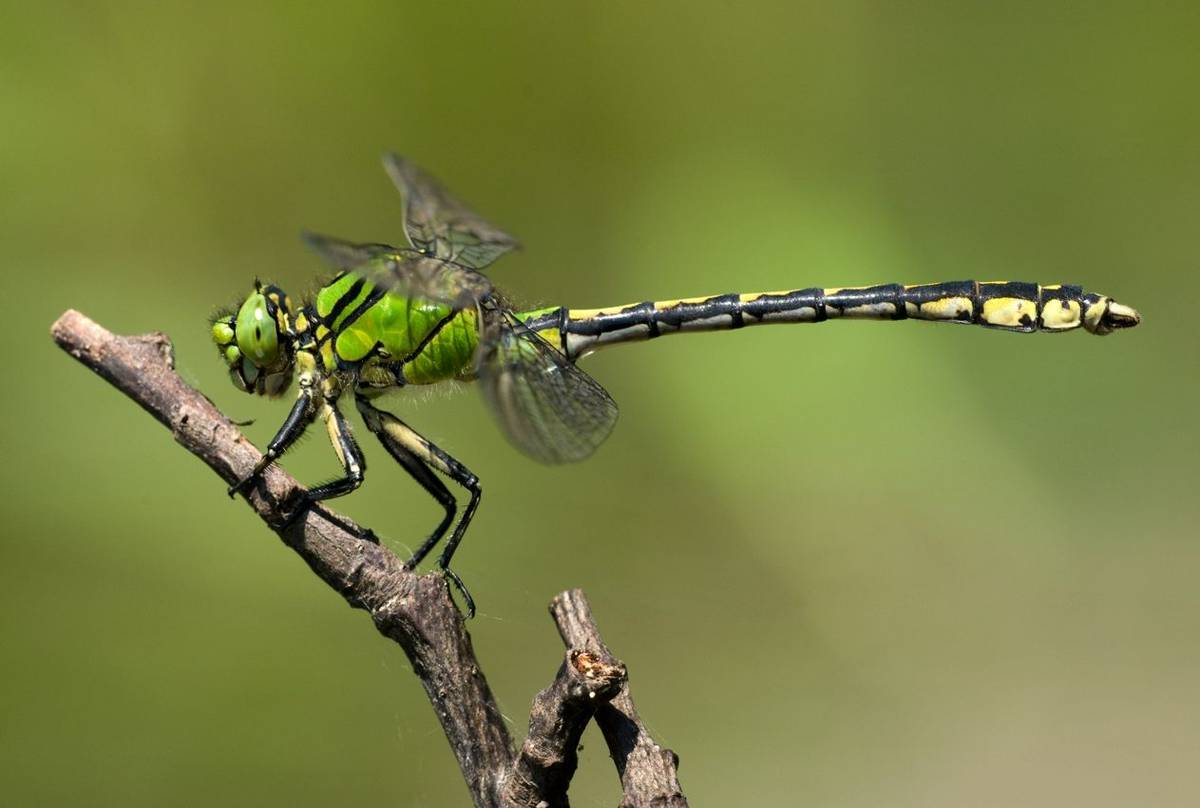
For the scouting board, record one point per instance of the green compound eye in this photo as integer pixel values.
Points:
(257, 334)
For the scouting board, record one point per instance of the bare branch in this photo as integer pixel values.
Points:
(560, 713)
(648, 771)
(414, 611)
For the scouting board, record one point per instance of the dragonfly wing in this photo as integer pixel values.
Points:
(441, 226)
(344, 254)
(405, 271)
(422, 276)
(547, 407)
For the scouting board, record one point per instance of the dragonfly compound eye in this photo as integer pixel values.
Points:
(257, 331)
(251, 344)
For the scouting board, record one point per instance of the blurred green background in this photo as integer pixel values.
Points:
(848, 565)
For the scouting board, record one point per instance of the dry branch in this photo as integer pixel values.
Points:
(416, 611)
(560, 714)
(649, 775)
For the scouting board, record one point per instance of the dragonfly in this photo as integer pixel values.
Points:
(425, 313)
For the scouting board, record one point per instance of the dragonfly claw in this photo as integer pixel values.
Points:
(462, 589)
(296, 506)
(240, 485)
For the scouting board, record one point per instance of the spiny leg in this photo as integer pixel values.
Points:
(302, 414)
(431, 483)
(353, 465)
(418, 455)
(349, 455)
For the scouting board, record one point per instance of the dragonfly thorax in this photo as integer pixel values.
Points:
(257, 341)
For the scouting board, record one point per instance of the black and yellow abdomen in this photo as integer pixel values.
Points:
(1007, 305)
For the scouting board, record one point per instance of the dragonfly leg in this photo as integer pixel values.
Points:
(420, 458)
(353, 465)
(348, 454)
(297, 421)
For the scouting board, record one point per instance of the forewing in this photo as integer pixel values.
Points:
(547, 407)
(345, 254)
(405, 271)
(433, 279)
(439, 225)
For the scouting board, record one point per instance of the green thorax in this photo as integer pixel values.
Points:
(399, 325)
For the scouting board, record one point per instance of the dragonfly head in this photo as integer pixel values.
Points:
(257, 341)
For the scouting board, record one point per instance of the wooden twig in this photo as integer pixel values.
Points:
(649, 772)
(416, 611)
(560, 713)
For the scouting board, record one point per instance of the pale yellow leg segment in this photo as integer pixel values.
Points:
(348, 454)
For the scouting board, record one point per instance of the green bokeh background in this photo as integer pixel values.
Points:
(849, 565)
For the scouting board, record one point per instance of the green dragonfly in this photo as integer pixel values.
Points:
(425, 313)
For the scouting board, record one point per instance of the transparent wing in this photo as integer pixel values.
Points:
(405, 271)
(345, 254)
(441, 226)
(547, 407)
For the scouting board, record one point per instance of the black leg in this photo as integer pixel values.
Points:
(297, 421)
(353, 464)
(418, 455)
(432, 484)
